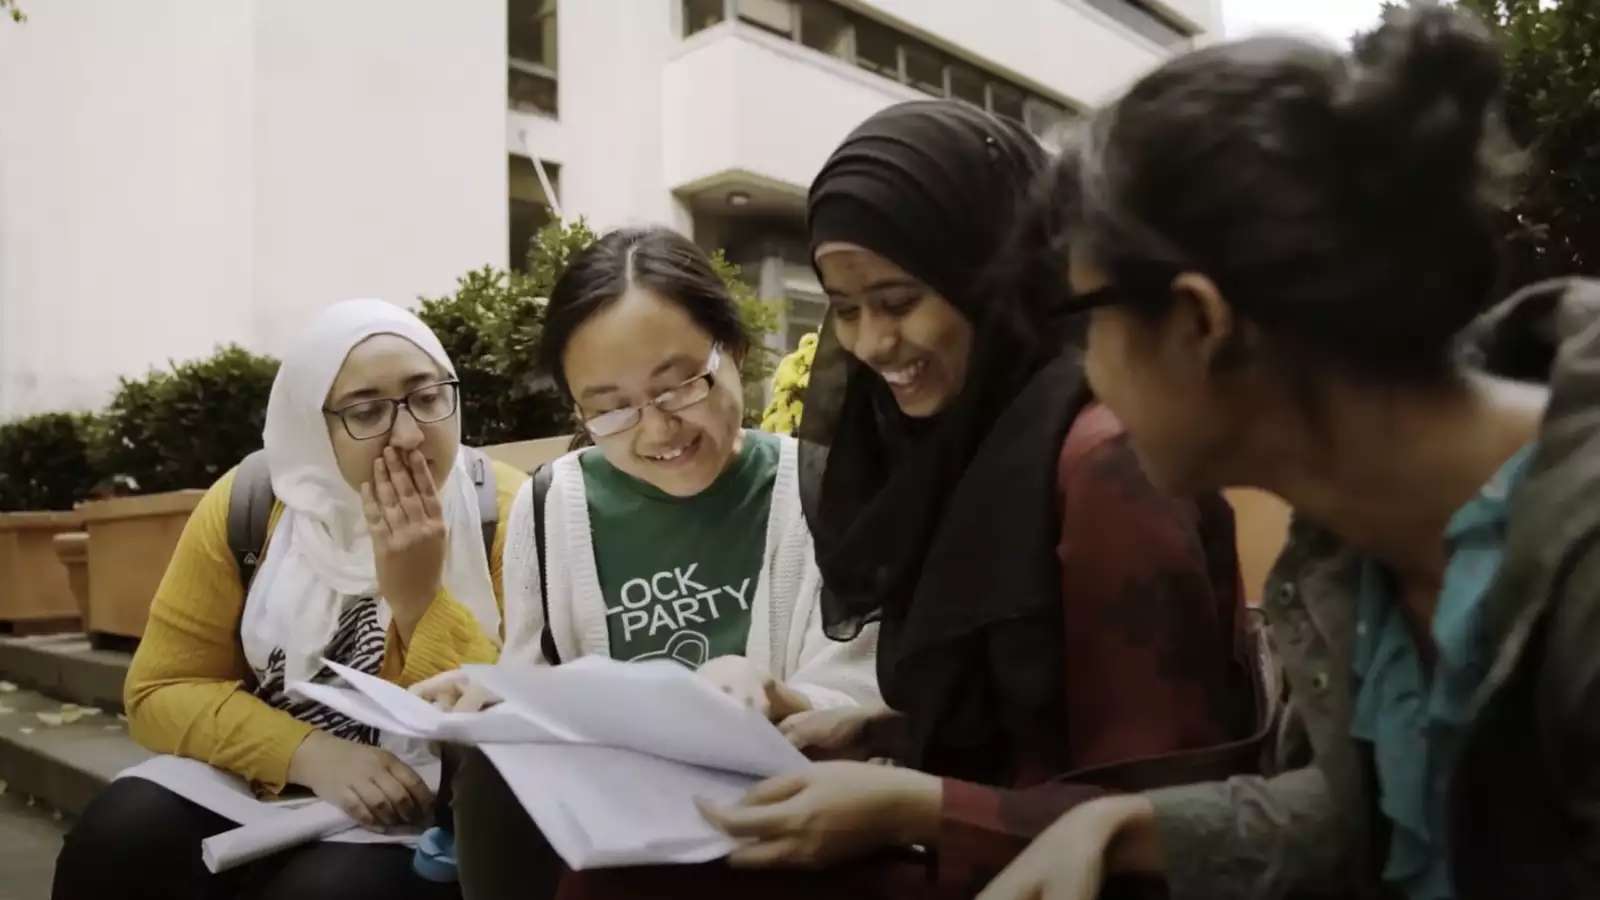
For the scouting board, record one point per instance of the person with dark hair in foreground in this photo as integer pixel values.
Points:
(1287, 251)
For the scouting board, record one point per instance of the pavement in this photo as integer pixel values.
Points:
(29, 840)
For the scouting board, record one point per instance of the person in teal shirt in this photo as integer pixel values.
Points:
(1287, 254)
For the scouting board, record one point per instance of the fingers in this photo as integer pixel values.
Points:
(447, 697)
(388, 500)
(376, 523)
(427, 490)
(776, 789)
(738, 821)
(804, 729)
(400, 474)
(766, 854)
(474, 698)
(379, 811)
(406, 808)
(353, 806)
(412, 783)
(756, 816)
(449, 684)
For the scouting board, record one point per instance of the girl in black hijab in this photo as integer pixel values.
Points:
(1052, 627)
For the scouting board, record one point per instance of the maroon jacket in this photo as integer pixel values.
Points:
(1159, 687)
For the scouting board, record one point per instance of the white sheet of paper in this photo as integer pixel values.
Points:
(607, 757)
(655, 707)
(395, 710)
(602, 806)
(265, 826)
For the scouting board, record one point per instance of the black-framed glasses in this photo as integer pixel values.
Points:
(370, 419)
(671, 400)
(1103, 296)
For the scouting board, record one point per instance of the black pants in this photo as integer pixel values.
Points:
(139, 840)
(500, 852)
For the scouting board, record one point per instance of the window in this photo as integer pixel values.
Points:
(825, 27)
(531, 89)
(925, 69)
(530, 208)
(802, 315)
(966, 83)
(1041, 116)
(531, 29)
(699, 15)
(1145, 19)
(776, 16)
(531, 45)
(840, 32)
(877, 49)
(1005, 100)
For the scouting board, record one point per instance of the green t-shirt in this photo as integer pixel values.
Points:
(679, 574)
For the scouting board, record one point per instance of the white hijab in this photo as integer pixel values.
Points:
(319, 560)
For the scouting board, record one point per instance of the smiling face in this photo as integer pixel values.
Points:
(630, 353)
(915, 339)
(387, 366)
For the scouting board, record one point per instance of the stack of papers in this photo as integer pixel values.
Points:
(607, 757)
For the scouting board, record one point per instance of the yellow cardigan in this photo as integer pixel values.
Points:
(188, 690)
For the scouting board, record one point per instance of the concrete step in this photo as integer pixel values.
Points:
(67, 667)
(61, 754)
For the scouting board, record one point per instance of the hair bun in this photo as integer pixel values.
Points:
(1418, 97)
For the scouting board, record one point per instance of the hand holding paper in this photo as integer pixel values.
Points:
(607, 757)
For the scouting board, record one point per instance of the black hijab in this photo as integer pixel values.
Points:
(944, 529)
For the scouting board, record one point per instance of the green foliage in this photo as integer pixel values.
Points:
(552, 248)
(185, 427)
(44, 461)
(760, 318)
(491, 328)
(1552, 100)
(10, 8)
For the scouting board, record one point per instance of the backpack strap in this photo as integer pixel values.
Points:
(541, 489)
(249, 508)
(482, 472)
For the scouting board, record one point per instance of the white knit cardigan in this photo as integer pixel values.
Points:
(785, 619)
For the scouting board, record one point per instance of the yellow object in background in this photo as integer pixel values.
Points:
(782, 415)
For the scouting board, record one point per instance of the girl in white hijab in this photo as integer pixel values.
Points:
(375, 559)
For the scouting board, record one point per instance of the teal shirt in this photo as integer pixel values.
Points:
(1416, 726)
(679, 574)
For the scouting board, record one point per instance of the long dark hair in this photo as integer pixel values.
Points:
(660, 259)
(1343, 202)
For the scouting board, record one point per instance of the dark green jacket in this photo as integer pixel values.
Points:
(1526, 797)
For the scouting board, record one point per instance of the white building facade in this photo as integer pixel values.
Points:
(183, 173)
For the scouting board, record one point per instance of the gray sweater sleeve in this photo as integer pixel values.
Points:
(1252, 837)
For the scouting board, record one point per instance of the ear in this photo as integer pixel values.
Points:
(1202, 326)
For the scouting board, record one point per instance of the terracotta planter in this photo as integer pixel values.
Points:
(35, 597)
(528, 455)
(1261, 525)
(131, 540)
(72, 549)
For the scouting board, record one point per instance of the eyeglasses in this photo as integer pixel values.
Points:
(672, 400)
(370, 419)
(1107, 295)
